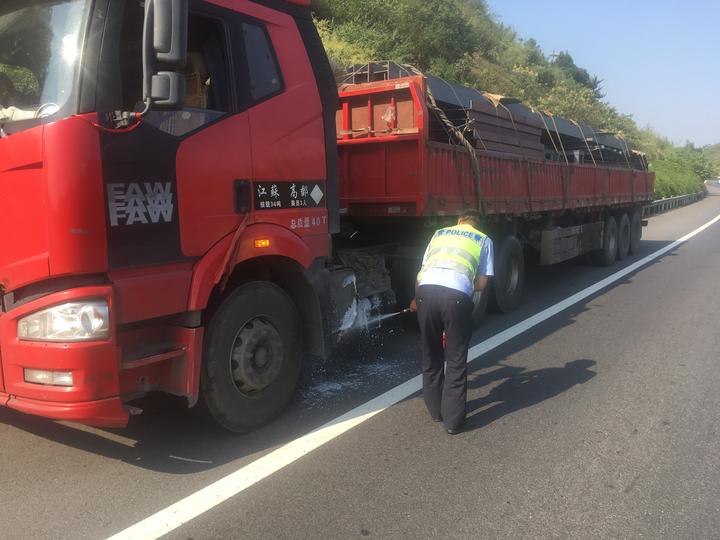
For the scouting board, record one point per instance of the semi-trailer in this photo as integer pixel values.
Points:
(195, 208)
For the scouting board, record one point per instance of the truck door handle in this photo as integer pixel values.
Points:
(242, 193)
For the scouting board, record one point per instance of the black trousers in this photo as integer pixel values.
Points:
(439, 310)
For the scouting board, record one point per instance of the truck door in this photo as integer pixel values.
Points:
(286, 122)
(215, 154)
(180, 168)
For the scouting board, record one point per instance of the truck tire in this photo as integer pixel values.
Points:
(635, 231)
(252, 357)
(607, 255)
(507, 285)
(623, 237)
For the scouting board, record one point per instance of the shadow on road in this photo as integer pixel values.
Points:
(170, 439)
(521, 389)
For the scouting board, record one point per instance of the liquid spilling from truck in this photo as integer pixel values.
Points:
(191, 206)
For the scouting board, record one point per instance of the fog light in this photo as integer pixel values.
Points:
(49, 378)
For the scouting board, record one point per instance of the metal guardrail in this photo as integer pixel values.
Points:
(663, 205)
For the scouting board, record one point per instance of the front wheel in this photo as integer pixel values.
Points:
(252, 357)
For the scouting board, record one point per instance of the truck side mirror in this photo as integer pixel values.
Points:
(168, 90)
(165, 37)
(171, 32)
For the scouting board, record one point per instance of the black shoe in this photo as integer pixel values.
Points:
(438, 419)
(454, 431)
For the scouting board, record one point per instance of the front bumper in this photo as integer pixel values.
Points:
(102, 413)
(95, 397)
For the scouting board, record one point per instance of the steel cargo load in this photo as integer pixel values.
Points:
(398, 156)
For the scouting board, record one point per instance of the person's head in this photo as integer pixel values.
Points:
(470, 217)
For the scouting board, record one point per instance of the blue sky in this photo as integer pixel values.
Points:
(659, 60)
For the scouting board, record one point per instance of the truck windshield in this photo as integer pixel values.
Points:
(40, 46)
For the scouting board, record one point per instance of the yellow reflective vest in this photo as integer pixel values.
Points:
(455, 248)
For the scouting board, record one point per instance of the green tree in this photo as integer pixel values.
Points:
(461, 40)
(419, 32)
(712, 153)
(22, 78)
(565, 62)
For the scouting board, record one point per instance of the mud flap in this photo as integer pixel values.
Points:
(343, 299)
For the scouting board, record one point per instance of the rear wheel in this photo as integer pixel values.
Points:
(252, 357)
(623, 237)
(607, 255)
(635, 231)
(509, 280)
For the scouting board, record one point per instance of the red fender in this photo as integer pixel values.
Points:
(209, 271)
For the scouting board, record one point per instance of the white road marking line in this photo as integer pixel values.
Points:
(172, 517)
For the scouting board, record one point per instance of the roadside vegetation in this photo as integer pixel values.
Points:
(461, 40)
(712, 152)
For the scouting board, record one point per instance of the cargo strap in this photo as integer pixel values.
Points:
(567, 162)
(497, 101)
(597, 142)
(547, 128)
(585, 141)
(620, 136)
(460, 136)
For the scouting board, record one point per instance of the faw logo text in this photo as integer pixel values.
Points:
(140, 203)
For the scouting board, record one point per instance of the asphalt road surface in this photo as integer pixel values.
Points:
(602, 421)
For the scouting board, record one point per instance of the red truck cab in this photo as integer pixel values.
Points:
(123, 241)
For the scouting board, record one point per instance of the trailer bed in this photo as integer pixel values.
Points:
(389, 166)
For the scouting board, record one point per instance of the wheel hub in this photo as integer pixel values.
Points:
(257, 356)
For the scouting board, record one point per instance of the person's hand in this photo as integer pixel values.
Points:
(413, 306)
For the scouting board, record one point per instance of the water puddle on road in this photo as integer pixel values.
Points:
(373, 356)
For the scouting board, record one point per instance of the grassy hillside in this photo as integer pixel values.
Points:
(713, 155)
(461, 41)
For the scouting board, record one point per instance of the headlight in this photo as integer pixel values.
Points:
(74, 321)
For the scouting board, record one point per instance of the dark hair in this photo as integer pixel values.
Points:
(470, 216)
